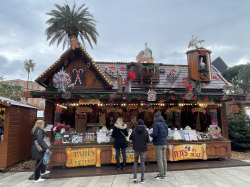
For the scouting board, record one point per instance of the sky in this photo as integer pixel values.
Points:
(124, 27)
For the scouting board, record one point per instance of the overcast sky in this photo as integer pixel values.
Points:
(124, 27)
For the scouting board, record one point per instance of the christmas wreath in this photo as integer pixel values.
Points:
(203, 75)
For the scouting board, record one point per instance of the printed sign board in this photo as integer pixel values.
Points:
(129, 156)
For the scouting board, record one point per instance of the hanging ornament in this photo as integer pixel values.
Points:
(205, 98)
(56, 97)
(202, 52)
(243, 99)
(194, 97)
(82, 56)
(42, 95)
(66, 95)
(124, 96)
(88, 65)
(74, 43)
(72, 56)
(62, 81)
(72, 89)
(65, 62)
(147, 70)
(139, 97)
(172, 97)
(233, 99)
(78, 73)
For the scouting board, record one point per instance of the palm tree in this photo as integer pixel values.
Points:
(67, 23)
(1, 78)
(29, 67)
(17, 93)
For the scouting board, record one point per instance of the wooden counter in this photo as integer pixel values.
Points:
(219, 149)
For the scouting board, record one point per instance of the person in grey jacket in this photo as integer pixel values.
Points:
(38, 134)
(159, 135)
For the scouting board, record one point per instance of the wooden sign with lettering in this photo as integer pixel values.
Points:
(130, 157)
(187, 152)
(83, 157)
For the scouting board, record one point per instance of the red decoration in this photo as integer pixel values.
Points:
(205, 98)
(126, 82)
(215, 77)
(124, 96)
(95, 73)
(72, 56)
(243, 99)
(128, 143)
(72, 89)
(183, 97)
(185, 79)
(233, 99)
(81, 98)
(82, 56)
(131, 76)
(42, 95)
(58, 128)
(189, 86)
(122, 68)
(151, 86)
(160, 98)
(71, 144)
(173, 141)
(139, 97)
(214, 140)
(204, 140)
(56, 97)
(172, 70)
(202, 52)
(147, 70)
(92, 112)
(106, 86)
(221, 98)
(194, 97)
(172, 97)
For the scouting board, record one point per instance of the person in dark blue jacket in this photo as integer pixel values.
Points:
(159, 135)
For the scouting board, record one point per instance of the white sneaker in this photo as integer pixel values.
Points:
(46, 172)
(135, 180)
(39, 180)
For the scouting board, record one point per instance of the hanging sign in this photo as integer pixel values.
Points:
(89, 101)
(146, 110)
(83, 109)
(198, 110)
(130, 157)
(187, 152)
(110, 109)
(66, 95)
(83, 157)
(174, 109)
(151, 95)
(130, 107)
(101, 137)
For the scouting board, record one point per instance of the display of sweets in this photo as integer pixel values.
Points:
(187, 128)
(177, 135)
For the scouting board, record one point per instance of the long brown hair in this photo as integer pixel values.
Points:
(37, 125)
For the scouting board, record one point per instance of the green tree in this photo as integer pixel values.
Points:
(66, 23)
(11, 92)
(17, 93)
(231, 73)
(29, 66)
(239, 131)
(1, 78)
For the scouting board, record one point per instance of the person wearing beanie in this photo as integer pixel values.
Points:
(140, 139)
(159, 135)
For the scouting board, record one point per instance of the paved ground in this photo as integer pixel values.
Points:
(224, 177)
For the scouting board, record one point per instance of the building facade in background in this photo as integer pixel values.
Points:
(31, 87)
(219, 64)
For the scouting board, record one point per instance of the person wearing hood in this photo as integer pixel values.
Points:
(38, 134)
(120, 133)
(159, 135)
(140, 138)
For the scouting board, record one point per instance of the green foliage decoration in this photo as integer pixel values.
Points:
(151, 67)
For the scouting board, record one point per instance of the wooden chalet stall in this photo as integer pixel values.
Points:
(17, 120)
(190, 97)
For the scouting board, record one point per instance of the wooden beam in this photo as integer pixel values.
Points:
(224, 127)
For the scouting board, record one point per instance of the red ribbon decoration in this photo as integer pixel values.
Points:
(173, 141)
(72, 56)
(183, 97)
(124, 96)
(172, 97)
(205, 98)
(243, 99)
(215, 77)
(221, 98)
(139, 97)
(56, 97)
(185, 79)
(233, 99)
(202, 52)
(194, 97)
(42, 95)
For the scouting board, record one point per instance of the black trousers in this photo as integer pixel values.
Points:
(39, 170)
(123, 156)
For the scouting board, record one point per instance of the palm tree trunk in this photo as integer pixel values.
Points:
(28, 81)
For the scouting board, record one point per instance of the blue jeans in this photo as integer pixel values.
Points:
(143, 155)
(123, 156)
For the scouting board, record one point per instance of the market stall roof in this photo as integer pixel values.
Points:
(217, 82)
(12, 102)
(45, 75)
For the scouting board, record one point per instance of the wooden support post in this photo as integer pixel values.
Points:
(224, 127)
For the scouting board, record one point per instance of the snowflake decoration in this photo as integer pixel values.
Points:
(62, 81)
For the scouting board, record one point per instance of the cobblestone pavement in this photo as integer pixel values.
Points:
(224, 177)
